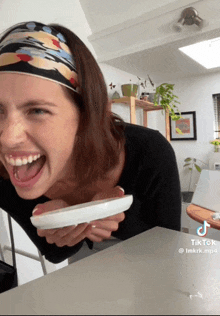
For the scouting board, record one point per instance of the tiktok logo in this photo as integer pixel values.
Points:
(203, 230)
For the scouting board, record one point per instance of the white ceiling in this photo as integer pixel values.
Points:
(138, 36)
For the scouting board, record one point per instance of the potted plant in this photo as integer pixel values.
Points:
(216, 143)
(164, 97)
(129, 90)
(191, 164)
(214, 156)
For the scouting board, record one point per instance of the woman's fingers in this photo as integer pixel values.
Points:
(58, 231)
(95, 238)
(73, 241)
(105, 225)
(98, 234)
(117, 218)
(64, 231)
(67, 236)
(102, 229)
(49, 206)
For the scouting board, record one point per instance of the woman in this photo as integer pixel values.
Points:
(60, 146)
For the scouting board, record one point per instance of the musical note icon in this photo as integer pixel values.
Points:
(203, 230)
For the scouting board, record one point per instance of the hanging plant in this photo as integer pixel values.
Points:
(164, 97)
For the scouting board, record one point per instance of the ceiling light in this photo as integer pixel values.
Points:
(189, 16)
(206, 53)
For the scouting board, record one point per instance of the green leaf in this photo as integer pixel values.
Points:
(188, 159)
(179, 131)
(198, 168)
(176, 118)
(187, 164)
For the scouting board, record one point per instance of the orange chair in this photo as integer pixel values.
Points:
(201, 214)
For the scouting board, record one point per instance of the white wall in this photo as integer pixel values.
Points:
(195, 94)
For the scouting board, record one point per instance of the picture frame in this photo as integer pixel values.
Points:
(187, 125)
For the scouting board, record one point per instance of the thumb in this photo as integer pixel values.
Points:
(112, 193)
(48, 207)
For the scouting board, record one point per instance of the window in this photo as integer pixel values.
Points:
(216, 99)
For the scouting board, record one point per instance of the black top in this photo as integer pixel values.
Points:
(150, 175)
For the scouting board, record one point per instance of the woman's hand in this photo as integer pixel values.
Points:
(66, 236)
(103, 228)
(72, 235)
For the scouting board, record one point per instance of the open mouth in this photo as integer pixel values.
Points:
(27, 172)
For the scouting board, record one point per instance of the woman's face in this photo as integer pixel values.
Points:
(38, 125)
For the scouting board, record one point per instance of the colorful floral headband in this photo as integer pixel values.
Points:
(36, 49)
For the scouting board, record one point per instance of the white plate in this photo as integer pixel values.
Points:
(82, 213)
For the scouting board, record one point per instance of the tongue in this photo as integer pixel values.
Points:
(27, 172)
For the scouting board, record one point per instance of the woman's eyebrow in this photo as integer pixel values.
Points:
(37, 102)
(31, 102)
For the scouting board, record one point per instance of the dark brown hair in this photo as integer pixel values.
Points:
(100, 136)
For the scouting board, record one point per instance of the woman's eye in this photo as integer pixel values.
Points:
(38, 111)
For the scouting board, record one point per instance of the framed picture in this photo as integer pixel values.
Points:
(187, 125)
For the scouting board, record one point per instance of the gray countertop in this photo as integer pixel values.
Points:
(146, 274)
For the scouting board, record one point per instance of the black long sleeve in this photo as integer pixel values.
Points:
(151, 176)
(163, 196)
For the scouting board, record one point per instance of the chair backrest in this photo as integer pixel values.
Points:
(207, 193)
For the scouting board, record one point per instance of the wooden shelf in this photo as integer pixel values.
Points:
(147, 107)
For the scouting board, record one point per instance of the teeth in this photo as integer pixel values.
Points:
(18, 162)
(24, 161)
(21, 161)
(30, 159)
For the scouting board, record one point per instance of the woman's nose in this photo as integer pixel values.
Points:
(12, 133)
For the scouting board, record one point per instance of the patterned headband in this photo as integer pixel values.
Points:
(39, 50)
